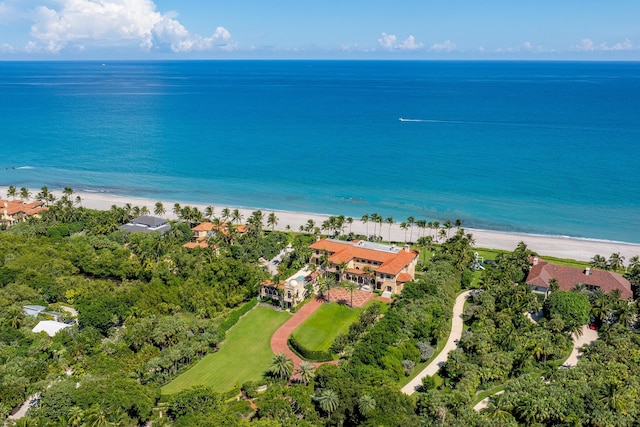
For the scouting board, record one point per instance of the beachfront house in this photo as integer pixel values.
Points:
(13, 211)
(147, 224)
(206, 229)
(568, 278)
(372, 266)
(50, 327)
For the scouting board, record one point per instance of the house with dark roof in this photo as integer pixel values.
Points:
(370, 265)
(147, 224)
(542, 272)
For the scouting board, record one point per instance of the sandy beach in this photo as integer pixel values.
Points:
(556, 246)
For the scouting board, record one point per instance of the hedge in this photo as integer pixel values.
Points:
(235, 316)
(305, 353)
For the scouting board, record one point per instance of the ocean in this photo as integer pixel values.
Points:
(535, 147)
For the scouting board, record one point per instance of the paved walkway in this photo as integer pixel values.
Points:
(589, 336)
(342, 296)
(279, 338)
(452, 343)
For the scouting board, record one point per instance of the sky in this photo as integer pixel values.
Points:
(331, 29)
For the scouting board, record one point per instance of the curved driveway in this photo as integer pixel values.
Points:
(452, 343)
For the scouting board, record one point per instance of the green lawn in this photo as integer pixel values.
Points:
(245, 355)
(326, 323)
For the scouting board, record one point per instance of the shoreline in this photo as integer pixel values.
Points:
(577, 248)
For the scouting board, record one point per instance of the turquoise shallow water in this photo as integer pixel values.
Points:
(539, 147)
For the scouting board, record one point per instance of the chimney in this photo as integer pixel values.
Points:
(407, 248)
(317, 238)
(587, 271)
(535, 260)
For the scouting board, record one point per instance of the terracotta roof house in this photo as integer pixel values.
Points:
(12, 211)
(202, 231)
(147, 224)
(370, 265)
(568, 277)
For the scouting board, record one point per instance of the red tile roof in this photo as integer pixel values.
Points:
(391, 262)
(200, 244)
(568, 277)
(13, 207)
(404, 277)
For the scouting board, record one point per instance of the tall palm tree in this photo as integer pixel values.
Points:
(349, 286)
(349, 221)
(67, 192)
(78, 201)
(404, 226)
(159, 209)
(325, 284)
(272, 220)
(436, 229)
(306, 371)
(236, 216)
(447, 225)
(328, 400)
(411, 220)
(634, 262)
(422, 224)
(209, 211)
(44, 195)
(281, 366)
(366, 404)
(12, 192)
(365, 220)
(374, 219)
(177, 209)
(389, 221)
(226, 214)
(25, 194)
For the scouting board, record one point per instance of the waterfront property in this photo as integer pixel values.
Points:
(13, 211)
(206, 229)
(147, 224)
(542, 273)
(369, 265)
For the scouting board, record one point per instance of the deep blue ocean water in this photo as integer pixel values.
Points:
(537, 147)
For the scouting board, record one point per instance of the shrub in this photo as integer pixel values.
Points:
(408, 366)
(305, 353)
(425, 349)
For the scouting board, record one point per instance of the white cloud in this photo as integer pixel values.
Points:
(587, 45)
(117, 22)
(446, 46)
(390, 42)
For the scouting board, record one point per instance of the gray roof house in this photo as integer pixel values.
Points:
(147, 224)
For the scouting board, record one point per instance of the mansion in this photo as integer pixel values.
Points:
(370, 265)
(13, 211)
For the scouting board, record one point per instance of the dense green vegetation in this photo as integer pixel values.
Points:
(149, 309)
(244, 356)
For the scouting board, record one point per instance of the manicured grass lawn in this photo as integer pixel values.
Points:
(245, 355)
(324, 325)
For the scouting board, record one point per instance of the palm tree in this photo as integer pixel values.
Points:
(436, 227)
(97, 417)
(365, 220)
(328, 400)
(226, 214)
(272, 220)
(366, 404)
(12, 192)
(447, 225)
(598, 261)
(159, 209)
(177, 209)
(349, 286)
(209, 211)
(44, 195)
(25, 194)
(411, 220)
(374, 218)
(306, 371)
(281, 366)
(67, 192)
(78, 201)
(404, 226)
(349, 221)
(76, 414)
(616, 261)
(236, 216)
(389, 221)
(327, 283)
(422, 224)
(634, 262)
